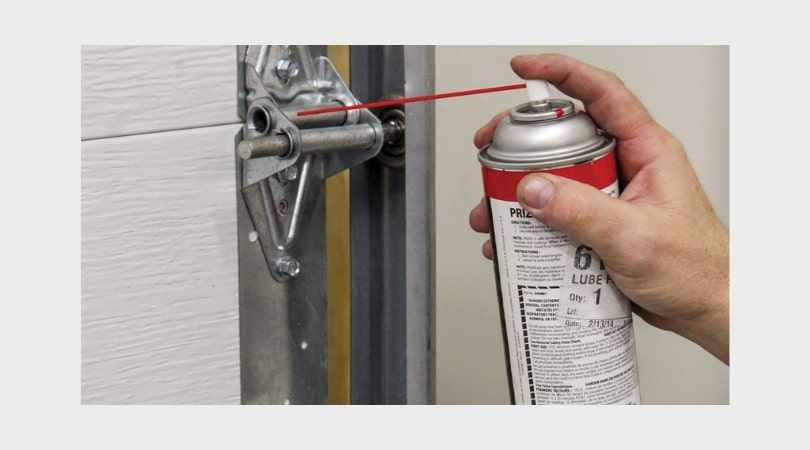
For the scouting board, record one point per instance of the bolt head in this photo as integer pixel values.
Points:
(286, 69)
(289, 266)
(288, 174)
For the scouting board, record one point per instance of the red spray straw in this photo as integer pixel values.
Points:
(411, 99)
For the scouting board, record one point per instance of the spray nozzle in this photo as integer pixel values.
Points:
(538, 90)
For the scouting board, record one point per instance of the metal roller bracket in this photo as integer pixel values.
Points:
(278, 153)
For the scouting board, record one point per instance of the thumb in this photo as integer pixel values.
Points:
(578, 210)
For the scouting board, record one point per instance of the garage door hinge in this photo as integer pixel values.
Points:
(278, 152)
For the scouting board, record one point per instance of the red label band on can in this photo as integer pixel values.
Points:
(568, 330)
(599, 173)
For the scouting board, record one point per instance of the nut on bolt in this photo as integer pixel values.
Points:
(288, 266)
(288, 174)
(286, 69)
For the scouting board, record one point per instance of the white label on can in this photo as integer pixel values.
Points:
(569, 331)
(588, 296)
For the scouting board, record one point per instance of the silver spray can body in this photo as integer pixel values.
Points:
(567, 329)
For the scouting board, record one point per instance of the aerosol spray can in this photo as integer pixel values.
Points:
(567, 328)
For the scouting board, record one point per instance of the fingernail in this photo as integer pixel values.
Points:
(537, 192)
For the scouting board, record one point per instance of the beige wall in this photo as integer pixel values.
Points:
(685, 88)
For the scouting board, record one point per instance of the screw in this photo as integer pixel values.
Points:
(286, 69)
(288, 266)
(288, 174)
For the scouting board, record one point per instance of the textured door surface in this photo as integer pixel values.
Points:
(159, 260)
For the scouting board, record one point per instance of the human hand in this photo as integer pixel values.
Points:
(661, 241)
